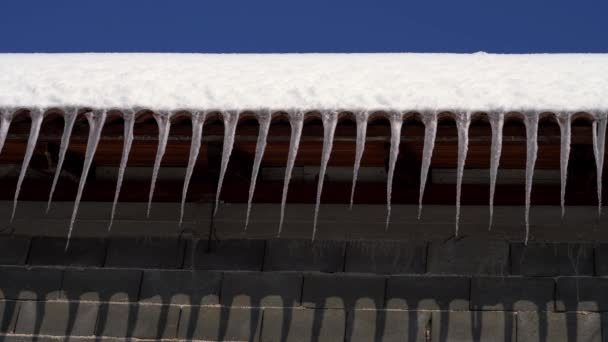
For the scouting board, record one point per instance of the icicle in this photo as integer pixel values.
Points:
(36, 115)
(463, 121)
(6, 117)
(163, 120)
(129, 122)
(361, 119)
(430, 131)
(396, 121)
(531, 122)
(599, 143)
(230, 121)
(96, 121)
(260, 147)
(68, 124)
(564, 121)
(497, 121)
(198, 120)
(330, 120)
(296, 120)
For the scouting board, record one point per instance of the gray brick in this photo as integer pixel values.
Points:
(34, 283)
(300, 325)
(512, 293)
(428, 292)
(81, 252)
(220, 323)
(261, 289)
(153, 252)
(32, 338)
(57, 318)
(147, 321)
(243, 255)
(8, 315)
(113, 285)
(387, 326)
(582, 294)
(156, 321)
(558, 327)
(181, 287)
(468, 256)
(14, 250)
(386, 257)
(23, 338)
(601, 259)
(473, 326)
(332, 291)
(548, 260)
(604, 327)
(304, 255)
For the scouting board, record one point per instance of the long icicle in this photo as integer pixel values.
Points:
(463, 121)
(163, 120)
(497, 121)
(599, 144)
(396, 121)
(6, 117)
(198, 120)
(330, 120)
(564, 121)
(296, 121)
(68, 124)
(230, 121)
(361, 119)
(531, 122)
(264, 122)
(96, 121)
(129, 122)
(430, 131)
(36, 115)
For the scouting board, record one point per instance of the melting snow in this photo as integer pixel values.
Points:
(404, 81)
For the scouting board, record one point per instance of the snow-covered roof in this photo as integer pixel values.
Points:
(401, 81)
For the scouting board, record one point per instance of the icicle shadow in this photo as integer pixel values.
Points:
(230, 121)
(129, 123)
(564, 122)
(96, 121)
(36, 116)
(599, 144)
(198, 120)
(361, 119)
(497, 121)
(163, 120)
(330, 120)
(396, 122)
(531, 123)
(260, 147)
(463, 121)
(296, 121)
(430, 131)
(68, 125)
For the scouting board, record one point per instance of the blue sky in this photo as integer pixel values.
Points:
(507, 26)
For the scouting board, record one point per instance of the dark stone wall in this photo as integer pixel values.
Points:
(242, 289)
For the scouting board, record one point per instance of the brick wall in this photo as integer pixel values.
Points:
(336, 222)
(298, 290)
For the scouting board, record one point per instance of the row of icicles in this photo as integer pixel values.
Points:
(96, 120)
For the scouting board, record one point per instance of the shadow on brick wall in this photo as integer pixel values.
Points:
(299, 290)
(283, 306)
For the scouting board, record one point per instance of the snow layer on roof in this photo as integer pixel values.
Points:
(403, 81)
